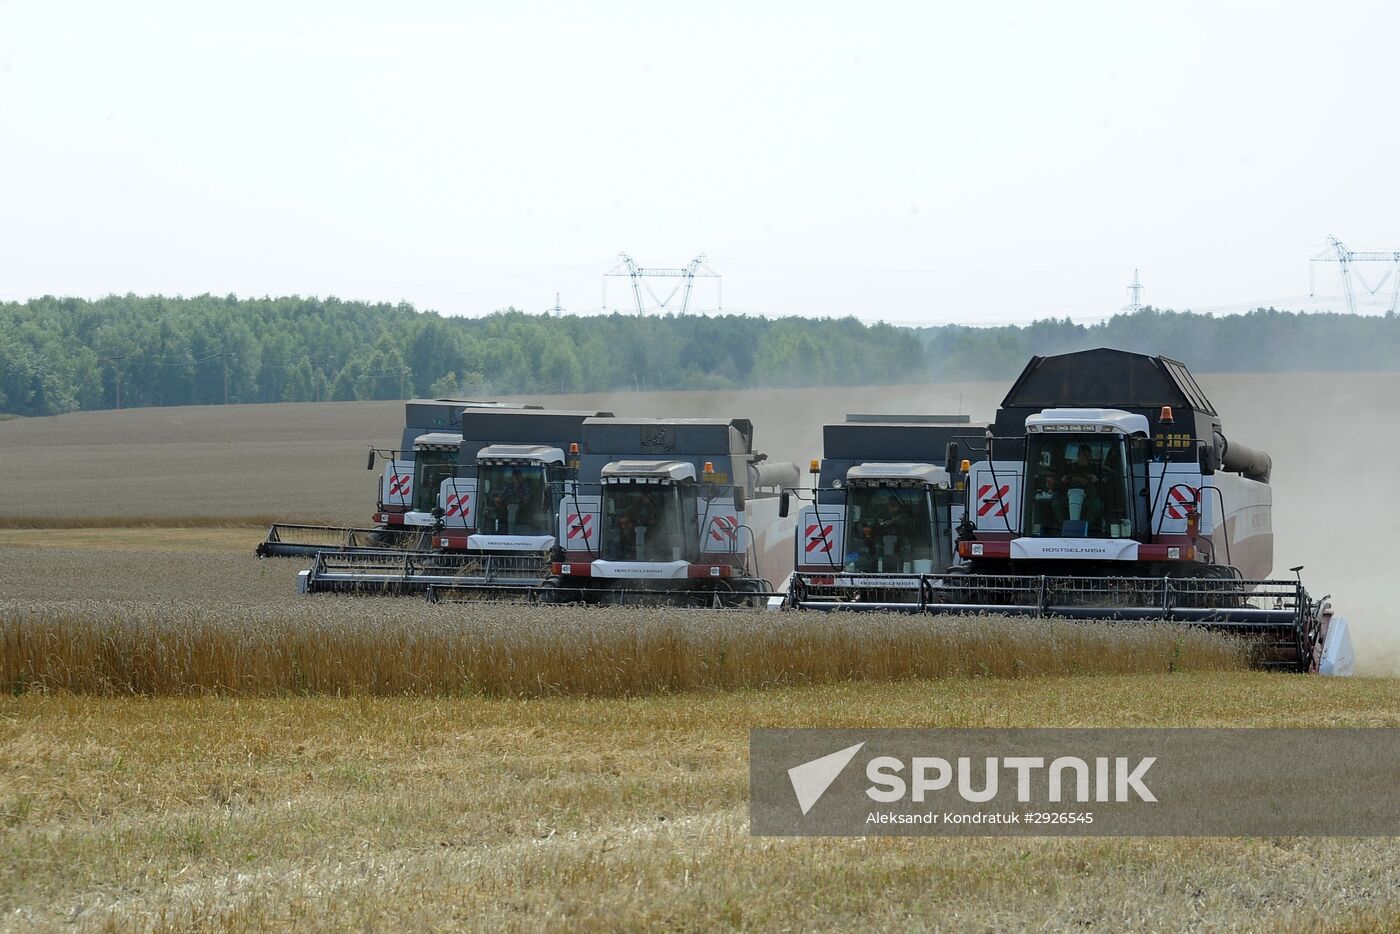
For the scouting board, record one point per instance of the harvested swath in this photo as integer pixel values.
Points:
(136, 522)
(177, 572)
(346, 647)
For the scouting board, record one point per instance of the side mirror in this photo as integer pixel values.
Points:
(784, 501)
(739, 498)
(369, 465)
(952, 460)
(1203, 457)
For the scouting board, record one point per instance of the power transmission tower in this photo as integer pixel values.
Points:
(1135, 294)
(225, 357)
(1337, 253)
(628, 267)
(117, 374)
(558, 310)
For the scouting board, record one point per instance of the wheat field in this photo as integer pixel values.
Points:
(352, 648)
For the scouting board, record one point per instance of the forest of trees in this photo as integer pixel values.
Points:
(1265, 340)
(58, 355)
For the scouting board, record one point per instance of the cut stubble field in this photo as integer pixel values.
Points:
(597, 814)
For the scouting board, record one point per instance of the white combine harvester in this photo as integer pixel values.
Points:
(1105, 489)
(408, 486)
(485, 500)
(883, 511)
(684, 512)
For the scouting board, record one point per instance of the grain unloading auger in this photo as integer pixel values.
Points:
(1105, 489)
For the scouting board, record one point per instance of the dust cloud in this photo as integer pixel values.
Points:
(1334, 445)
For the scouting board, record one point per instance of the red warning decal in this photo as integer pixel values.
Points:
(818, 539)
(400, 483)
(987, 503)
(458, 504)
(1179, 498)
(580, 525)
(723, 529)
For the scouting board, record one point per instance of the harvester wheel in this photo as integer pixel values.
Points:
(950, 592)
(547, 591)
(743, 593)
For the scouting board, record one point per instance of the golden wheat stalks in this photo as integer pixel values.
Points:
(349, 646)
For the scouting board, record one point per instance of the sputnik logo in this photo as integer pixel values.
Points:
(810, 780)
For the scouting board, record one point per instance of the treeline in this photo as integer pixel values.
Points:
(1261, 341)
(57, 355)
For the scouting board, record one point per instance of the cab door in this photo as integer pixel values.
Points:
(944, 503)
(1139, 487)
(994, 497)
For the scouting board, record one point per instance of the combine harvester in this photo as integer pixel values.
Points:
(1105, 489)
(485, 501)
(409, 469)
(882, 514)
(684, 511)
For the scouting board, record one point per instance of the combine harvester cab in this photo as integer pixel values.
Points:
(1107, 489)
(881, 514)
(490, 518)
(409, 489)
(511, 482)
(684, 512)
(399, 484)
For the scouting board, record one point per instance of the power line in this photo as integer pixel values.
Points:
(1135, 295)
(628, 267)
(1337, 253)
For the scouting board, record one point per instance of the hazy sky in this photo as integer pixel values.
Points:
(924, 162)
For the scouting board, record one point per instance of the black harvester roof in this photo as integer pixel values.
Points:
(485, 423)
(552, 427)
(727, 442)
(421, 416)
(1106, 378)
(864, 439)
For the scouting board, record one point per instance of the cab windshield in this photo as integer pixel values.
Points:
(1078, 487)
(890, 530)
(646, 521)
(513, 499)
(430, 468)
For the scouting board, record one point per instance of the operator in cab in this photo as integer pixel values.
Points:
(1082, 488)
(515, 493)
